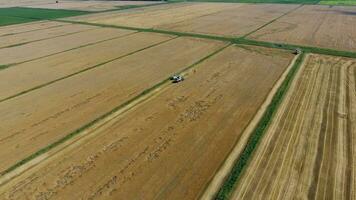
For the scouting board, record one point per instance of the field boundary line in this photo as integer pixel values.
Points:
(235, 40)
(83, 70)
(78, 47)
(37, 157)
(270, 22)
(258, 129)
(39, 29)
(226, 167)
(151, 30)
(316, 2)
(29, 42)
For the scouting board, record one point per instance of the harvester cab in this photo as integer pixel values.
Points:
(176, 78)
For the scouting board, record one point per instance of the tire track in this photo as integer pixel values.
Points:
(307, 152)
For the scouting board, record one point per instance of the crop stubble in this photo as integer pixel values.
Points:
(232, 22)
(152, 17)
(32, 26)
(36, 119)
(169, 147)
(90, 5)
(308, 150)
(21, 38)
(31, 74)
(47, 47)
(314, 25)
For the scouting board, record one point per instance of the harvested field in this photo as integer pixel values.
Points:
(308, 151)
(35, 50)
(152, 17)
(21, 38)
(232, 22)
(32, 74)
(91, 5)
(62, 107)
(168, 147)
(28, 27)
(314, 25)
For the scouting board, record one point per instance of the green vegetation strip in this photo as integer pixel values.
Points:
(81, 71)
(306, 49)
(256, 1)
(229, 184)
(338, 2)
(240, 40)
(90, 124)
(212, 37)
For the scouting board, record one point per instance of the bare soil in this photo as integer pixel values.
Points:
(171, 146)
(308, 151)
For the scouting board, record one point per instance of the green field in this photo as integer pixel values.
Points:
(17, 15)
(323, 2)
(341, 2)
(261, 1)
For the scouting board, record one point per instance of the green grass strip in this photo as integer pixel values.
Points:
(338, 2)
(90, 124)
(150, 30)
(4, 66)
(306, 49)
(256, 1)
(240, 40)
(232, 179)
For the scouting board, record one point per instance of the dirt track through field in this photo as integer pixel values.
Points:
(28, 27)
(29, 75)
(169, 147)
(232, 22)
(24, 38)
(308, 151)
(152, 17)
(35, 50)
(314, 25)
(63, 107)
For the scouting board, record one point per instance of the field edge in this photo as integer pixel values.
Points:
(231, 179)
